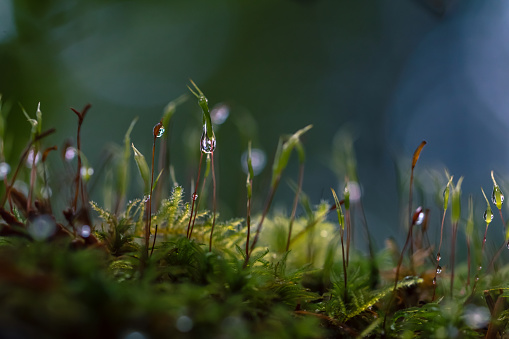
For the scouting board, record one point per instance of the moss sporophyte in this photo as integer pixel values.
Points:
(160, 265)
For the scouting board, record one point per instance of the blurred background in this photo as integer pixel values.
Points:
(374, 78)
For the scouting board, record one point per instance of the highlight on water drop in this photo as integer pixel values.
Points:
(207, 145)
(159, 130)
(439, 269)
(496, 190)
(486, 216)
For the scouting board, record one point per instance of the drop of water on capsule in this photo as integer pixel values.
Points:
(494, 195)
(5, 168)
(195, 196)
(161, 132)
(434, 281)
(418, 217)
(485, 216)
(439, 269)
(438, 257)
(207, 145)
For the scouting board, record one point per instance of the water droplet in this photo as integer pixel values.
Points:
(439, 269)
(70, 153)
(207, 145)
(85, 231)
(434, 280)
(184, 324)
(418, 217)
(507, 245)
(195, 196)
(258, 161)
(5, 168)
(485, 216)
(476, 278)
(438, 257)
(42, 227)
(494, 195)
(160, 132)
(30, 158)
(219, 114)
(479, 268)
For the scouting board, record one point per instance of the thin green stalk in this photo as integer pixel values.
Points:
(81, 116)
(295, 202)
(193, 198)
(20, 162)
(453, 253)
(213, 201)
(270, 197)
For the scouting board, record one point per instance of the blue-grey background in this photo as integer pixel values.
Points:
(388, 73)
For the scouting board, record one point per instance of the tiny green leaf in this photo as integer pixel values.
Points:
(32, 122)
(250, 172)
(341, 218)
(203, 102)
(488, 215)
(143, 168)
(284, 151)
(497, 197)
(456, 201)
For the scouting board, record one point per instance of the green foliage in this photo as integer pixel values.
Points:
(90, 273)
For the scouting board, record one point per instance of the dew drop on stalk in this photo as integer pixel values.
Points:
(438, 257)
(195, 196)
(494, 195)
(4, 170)
(434, 280)
(207, 145)
(418, 217)
(439, 269)
(507, 245)
(158, 130)
(485, 216)
(479, 268)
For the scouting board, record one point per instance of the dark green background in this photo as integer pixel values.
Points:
(389, 73)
